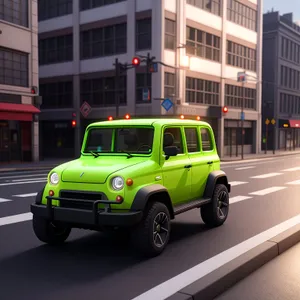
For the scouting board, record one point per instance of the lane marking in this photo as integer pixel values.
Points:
(16, 183)
(245, 168)
(31, 179)
(15, 219)
(291, 169)
(296, 182)
(2, 200)
(238, 199)
(175, 284)
(266, 175)
(235, 183)
(25, 195)
(19, 176)
(268, 191)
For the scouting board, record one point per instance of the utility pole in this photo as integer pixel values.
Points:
(242, 77)
(117, 85)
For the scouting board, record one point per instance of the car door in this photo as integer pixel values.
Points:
(199, 147)
(176, 170)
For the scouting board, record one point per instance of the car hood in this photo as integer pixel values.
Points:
(96, 170)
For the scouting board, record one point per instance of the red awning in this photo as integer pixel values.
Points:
(17, 112)
(294, 123)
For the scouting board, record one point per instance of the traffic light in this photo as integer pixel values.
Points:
(136, 61)
(225, 109)
(73, 123)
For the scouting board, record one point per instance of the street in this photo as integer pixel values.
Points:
(91, 265)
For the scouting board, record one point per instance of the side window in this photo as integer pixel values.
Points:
(192, 140)
(206, 140)
(173, 137)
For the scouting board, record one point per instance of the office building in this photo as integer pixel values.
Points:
(281, 82)
(19, 136)
(200, 46)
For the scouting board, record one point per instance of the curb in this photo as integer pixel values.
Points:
(26, 169)
(218, 281)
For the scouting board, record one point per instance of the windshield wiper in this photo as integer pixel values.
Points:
(94, 154)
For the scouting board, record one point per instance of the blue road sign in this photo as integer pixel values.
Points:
(146, 94)
(242, 115)
(167, 104)
(154, 68)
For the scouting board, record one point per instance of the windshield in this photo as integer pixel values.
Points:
(131, 140)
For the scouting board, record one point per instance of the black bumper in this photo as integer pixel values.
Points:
(94, 217)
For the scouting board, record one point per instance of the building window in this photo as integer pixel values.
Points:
(290, 50)
(89, 4)
(241, 14)
(170, 34)
(199, 91)
(57, 95)
(169, 85)
(14, 67)
(203, 44)
(56, 49)
(140, 85)
(213, 6)
(241, 56)
(105, 41)
(101, 92)
(15, 12)
(143, 34)
(289, 104)
(48, 9)
(234, 97)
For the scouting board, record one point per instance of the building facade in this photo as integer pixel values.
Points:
(79, 41)
(281, 82)
(19, 136)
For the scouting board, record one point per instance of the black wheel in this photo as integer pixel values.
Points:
(153, 233)
(215, 213)
(48, 232)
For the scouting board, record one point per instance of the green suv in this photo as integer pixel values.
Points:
(134, 176)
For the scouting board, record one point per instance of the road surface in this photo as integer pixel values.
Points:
(93, 266)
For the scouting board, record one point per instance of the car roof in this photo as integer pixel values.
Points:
(149, 122)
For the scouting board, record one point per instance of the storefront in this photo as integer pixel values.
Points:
(17, 128)
(289, 134)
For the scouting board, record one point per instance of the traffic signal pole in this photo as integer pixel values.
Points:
(242, 121)
(117, 86)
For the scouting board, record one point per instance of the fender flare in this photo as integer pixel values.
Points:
(212, 180)
(39, 196)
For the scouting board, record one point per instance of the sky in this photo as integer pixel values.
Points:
(284, 6)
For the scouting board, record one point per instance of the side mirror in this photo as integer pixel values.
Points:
(170, 151)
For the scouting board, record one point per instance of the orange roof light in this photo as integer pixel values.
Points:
(110, 118)
(127, 116)
(198, 118)
(182, 117)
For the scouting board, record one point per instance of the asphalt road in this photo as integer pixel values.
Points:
(91, 265)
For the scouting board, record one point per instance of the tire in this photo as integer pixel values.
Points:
(49, 233)
(215, 213)
(145, 237)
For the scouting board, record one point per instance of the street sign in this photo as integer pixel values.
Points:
(167, 104)
(153, 67)
(267, 122)
(146, 94)
(273, 121)
(241, 77)
(242, 116)
(85, 109)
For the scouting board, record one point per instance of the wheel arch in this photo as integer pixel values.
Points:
(150, 194)
(216, 177)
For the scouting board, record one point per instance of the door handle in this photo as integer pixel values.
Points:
(209, 162)
(187, 166)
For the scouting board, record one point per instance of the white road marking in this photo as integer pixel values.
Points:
(175, 284)
(266, 175)
(245, 168)
(31, 179)
(25, 195)
(291, 169)
(268, 191)
(22, 176)
(238, 199)
(16, 183)
(235, 183)
(2, 200)
(296, 182)
(15, 219)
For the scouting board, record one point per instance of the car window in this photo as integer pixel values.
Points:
(206, 140)
(192, 140)
(173, 137)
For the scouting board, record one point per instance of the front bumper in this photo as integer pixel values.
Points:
(94, 217)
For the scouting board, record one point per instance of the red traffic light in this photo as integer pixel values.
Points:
(73, 123)
(127, 116)
(110, 118)
(136, 61)
(225, 109)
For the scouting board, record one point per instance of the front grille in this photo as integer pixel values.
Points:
(87, 199)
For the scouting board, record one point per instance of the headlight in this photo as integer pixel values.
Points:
(117, 183)
(54, 178)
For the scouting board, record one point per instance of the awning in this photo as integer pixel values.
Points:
(294, 123)
(17, 112)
